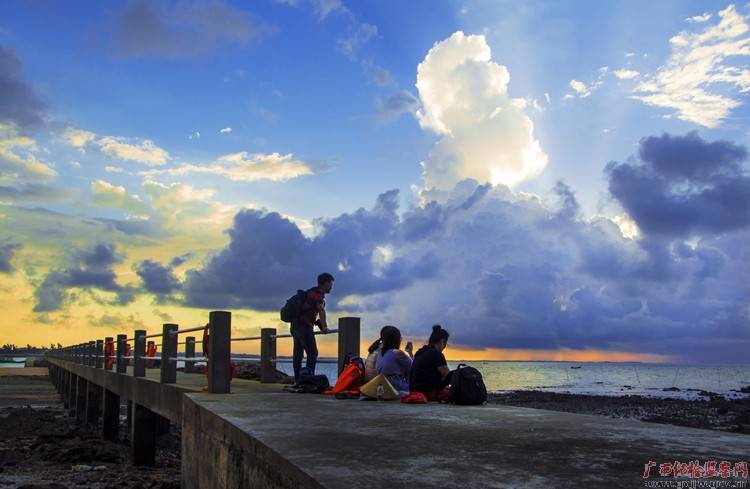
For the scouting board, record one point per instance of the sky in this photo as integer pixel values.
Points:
(551, 180)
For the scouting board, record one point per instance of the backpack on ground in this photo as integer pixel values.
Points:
(292, 310)
(311, 384)
(350, 379)
(467, 386)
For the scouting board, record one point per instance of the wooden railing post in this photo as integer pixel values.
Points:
(348, 339)
(189, 353)
(139, 351)
(219, 349)
(268, 355)
(121, 347)
(99, 353)
(168, 373)
(90, 350)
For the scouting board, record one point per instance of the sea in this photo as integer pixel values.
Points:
(595, 378)
(600, 378)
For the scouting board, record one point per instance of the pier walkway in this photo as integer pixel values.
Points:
(258, 436)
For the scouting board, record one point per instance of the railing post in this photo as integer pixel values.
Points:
(139, 351)
(189, 353)
(121, 344)
(348, 339)
(168, 373)
(99, 353)
(90, 353)
(268, 355)
(219, 349)
(107, 342)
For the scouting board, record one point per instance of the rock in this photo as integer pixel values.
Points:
(671, 389)
(100, 468)
(251, 371)
(82, 468)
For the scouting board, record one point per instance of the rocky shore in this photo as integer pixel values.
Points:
(711, 411)
(42, 448)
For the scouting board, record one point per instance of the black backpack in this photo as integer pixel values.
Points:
(467, 387)
(311, 384)
(293, 307)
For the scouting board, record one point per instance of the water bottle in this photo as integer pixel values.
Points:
(380, 392)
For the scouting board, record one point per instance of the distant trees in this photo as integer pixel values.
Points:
(13, 348)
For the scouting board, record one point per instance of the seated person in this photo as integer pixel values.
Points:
(393, 363)
(430, 374)
(372, 354)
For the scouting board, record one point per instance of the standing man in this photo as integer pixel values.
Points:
(312, 312)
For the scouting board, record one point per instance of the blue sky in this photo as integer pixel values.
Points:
(154, 127)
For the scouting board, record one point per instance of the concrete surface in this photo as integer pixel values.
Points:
(262, 437)
(345, 443)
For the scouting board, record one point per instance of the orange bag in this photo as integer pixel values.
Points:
(350, 379)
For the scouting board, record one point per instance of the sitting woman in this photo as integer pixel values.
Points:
(430, 374)
(372, 355)
(393, 363)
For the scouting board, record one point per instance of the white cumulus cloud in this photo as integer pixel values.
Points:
(126, 149)
(106, 194)
(485, 134)
(625, 74)
(226, 130)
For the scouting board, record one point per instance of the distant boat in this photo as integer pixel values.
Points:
(575, 366)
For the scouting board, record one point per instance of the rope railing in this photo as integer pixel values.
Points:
(121, 352)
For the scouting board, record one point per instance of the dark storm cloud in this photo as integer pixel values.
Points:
(163, 29)
(19, 102)
(159, 279)
(7, 251)
(268, 258)
(684, 185)
(90, 269)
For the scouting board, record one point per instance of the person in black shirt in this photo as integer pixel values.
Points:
(429, 372)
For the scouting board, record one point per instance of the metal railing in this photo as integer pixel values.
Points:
(116, 353)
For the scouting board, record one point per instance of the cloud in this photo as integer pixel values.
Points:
(144, 151)
(268, 256)
(396, 104)
(324, 8)
(696, 19)
(542, 277)
(126, 149)
(381, 76)
(684, 185)
(78, 138)
(245, 167)
(582, 90)
(107, 195)
(157, 278)
(33, 192)
(7, 251)
(90, 269)
(20, 105)
(117, 321)
(624, 74)
(226, 130)
(700, 63)
(485, 134)
(114, 169)
(17, 158)
(181, 29)
(359, 35)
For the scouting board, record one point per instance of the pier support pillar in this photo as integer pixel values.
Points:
(143, 436)
(72, 388)
(82, 386)
(162, 425)
(65, 392)
(111, 416)
(348, 340)
(93, 403)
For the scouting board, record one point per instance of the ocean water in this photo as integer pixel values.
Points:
(605, 378)
(17, 363)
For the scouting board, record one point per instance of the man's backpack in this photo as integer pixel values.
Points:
(293, 307)
(467, 387)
